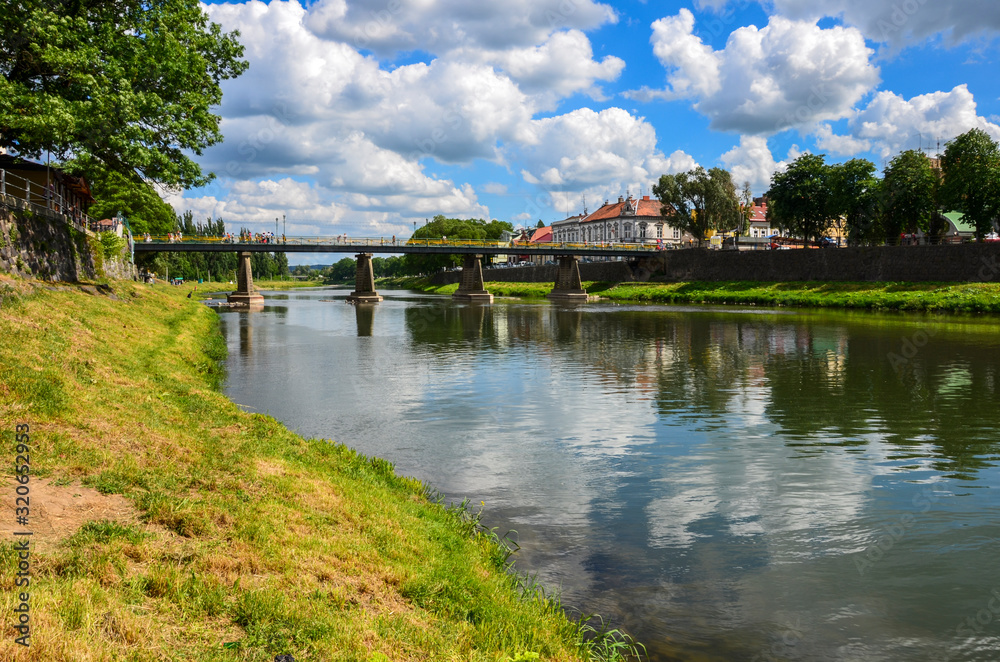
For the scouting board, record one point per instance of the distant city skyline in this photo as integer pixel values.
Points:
(365, 117)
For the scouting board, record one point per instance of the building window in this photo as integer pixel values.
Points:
(628, 230)
(677, 233)
(659, 231)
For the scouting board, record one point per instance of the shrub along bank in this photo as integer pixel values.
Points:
(930, 297)
(238, 540)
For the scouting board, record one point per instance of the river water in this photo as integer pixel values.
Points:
(725, 484)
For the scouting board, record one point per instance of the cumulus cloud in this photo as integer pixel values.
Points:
(439, 26)
(318, 102)
(828, 141)
(752, 161)
(585, 148)
(596, 155)
(890, 123)
(787, 74)
(901, 22)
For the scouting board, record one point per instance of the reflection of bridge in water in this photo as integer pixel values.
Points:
(567, 287)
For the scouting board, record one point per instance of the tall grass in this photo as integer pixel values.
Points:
(246, 541)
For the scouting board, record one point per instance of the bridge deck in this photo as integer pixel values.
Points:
(382, 245)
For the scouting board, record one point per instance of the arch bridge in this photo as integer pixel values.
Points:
(567, 287)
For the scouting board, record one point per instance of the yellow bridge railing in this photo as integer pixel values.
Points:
(342, 240)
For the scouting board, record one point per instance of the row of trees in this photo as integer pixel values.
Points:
(811, 196)
(219, 266)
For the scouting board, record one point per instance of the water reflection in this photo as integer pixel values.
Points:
(365, 317)
(720, 482)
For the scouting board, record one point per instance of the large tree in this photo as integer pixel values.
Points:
(128, 83)
(800, 199)
(909, 194)
(856, 199)
(699, 201)
(971, 165)
(452, 228)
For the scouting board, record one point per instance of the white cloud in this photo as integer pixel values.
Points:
(899, 22)
(439, 26)
(890, 123)
(586, 148)
(312, 105)
(561, 66)
(752, 161)
(495, 188)
(893, 123)
(828, 141)
(586, 154)
(786, 74)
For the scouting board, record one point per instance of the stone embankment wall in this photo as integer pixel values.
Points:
(952, 263)
(46, 247)
(948, 263)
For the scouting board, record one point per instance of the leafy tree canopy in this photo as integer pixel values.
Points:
(971, 165)
(452, 228)
(699, 200)
(127, 83)
(800, 199)
(137, 200)
(909, 193)
(855, 197)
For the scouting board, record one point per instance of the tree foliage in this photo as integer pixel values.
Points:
(800, 199)
(909, 194)
(971, 165)
(698, 200)
(138, 201)
(127, 83)
(856, 198)
(452, 228)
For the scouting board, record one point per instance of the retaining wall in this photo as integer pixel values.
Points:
(952, 263)
(46, 247)
(946, 263)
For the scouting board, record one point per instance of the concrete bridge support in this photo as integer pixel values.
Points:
(568, 286)
(471, 287)
(246, 294)
(364, 282)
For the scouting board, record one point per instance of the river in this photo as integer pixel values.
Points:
(724, 484)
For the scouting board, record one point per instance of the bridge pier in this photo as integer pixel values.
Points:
(471, 287)
(364, 282)
(246, 294)
(568, 286)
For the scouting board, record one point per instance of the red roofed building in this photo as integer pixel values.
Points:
(628, 221)
(541, 236)
(759, 226)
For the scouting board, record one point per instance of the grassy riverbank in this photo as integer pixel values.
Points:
(929, 297)
(171, 525)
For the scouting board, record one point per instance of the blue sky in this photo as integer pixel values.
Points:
(363, 117)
